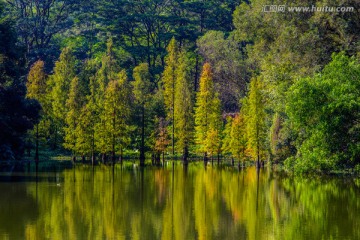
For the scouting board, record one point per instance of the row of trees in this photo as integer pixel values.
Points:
(94, 108)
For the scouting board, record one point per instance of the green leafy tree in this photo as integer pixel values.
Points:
(207, 110)
(142, 93)
(39, 22)
(169, 82)
(226, 136)
(255, 121)
(36, 83)
(74, 105)
(183, 115)
(324, 113)
(213, 143)
(106, 73)
(89, 115)
(64, 73)
(116, 115)
(238, 143)
(36, 86)
(161, 138)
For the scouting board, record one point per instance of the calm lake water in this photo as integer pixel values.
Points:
(176, 203)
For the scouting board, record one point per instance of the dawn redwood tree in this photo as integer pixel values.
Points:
(255, 121)
(106, 73)
(207, 111)
(238, 142)
(161, 138)
(64, 73)
(74, 106)
(142, 93)
(37, 89)
(226, 136)
(169, 82)
(183, 105)
(116, 115)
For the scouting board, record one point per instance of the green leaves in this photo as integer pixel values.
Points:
(207, 110)
(325, 109)
(183, 104)
(255, 120)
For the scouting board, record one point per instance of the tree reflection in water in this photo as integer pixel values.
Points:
(178, 202)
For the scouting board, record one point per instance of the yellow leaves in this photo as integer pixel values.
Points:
(213, 142)
(169, 76)
(36, 82)
(207, 110)
(142, 82)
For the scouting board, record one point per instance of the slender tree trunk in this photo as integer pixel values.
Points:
(205, 157)
(103, 158)
(121, 155)
(243, 157)
(196, 73)
(113, 140)
(257, 147)
(163, 157)
(74, 158)
(173, 117)
(55, 138)
(142, 147)
(93, 146)
(158, 159)
(148, 48)
(37, 143)
(113, 153)
(83, 158)
(92, 158)
(185, 155)
(218, 158)
(173, 131)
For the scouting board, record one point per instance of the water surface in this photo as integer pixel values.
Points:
(175, 203)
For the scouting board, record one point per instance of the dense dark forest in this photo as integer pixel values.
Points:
(214, 79)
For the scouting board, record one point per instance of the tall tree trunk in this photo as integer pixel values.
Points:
(142, 147)
(163, 157)
(93, 146)
(113, 153)
(113, 141)
(196, 73)
(83, 158)
(173, 123)
(185, 155)
(37, 143)
(55, 138)
(121, 155)
(257, 147)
